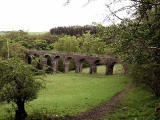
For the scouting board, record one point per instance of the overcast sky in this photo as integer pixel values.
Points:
(42, 15)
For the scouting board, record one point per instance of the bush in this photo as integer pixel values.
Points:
(147, 75)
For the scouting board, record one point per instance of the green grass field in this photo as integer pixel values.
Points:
(72, 93)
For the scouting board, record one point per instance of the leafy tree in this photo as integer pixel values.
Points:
(18, 85)
(138, 44)
(20, 36)
(67, 44)
(107, 34)
(15, 50)
(90, 44)
(48, 37)
(40, 44)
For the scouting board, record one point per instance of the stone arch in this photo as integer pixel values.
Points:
(29, 59)
(32, 59)
(97, 61)
(57, 57)
(126, 69)
(71, 61)
(93, 66)
(80, 63)
(49, 68)
(49, 60)
(79, 60)
(36, 55)
(42, 62)
(66, 63)
(118, 68)
(55, 64)
(110, 68)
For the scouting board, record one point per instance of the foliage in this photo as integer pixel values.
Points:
(18, 36)
(67, 44)
(108, 34)
(48, 37)
(15, 50)
(148, 75)
(91, 45)
(40, 44)
(40, 41)
(86, 43)
(17, 85)
(138, 44)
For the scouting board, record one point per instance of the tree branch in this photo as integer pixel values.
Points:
(114, 14)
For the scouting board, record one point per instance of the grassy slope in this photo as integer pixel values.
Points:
(71, 93)
(138, 104)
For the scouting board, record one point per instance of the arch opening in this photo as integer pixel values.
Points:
(118, 69)
(49, 68)
(36, 62)
(36, 55)
(72, 65)
(60, 66)
(84, 66)
(29, 59)
(100, 67)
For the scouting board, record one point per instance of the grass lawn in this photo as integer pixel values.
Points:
(138, 104)
(72, 93)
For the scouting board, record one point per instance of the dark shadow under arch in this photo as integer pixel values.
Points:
(60, 67)
(100, 67)
(29, 59)
(49, 68)
(85, 65)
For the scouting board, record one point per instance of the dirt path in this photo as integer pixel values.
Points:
(100, 111)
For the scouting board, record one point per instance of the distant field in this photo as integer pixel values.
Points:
(36, 33)
(30, 33)
(1, 33)
(72, 93)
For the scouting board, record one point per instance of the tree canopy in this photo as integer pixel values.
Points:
(18, 85)
(138, 44)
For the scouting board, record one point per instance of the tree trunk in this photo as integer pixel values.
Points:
(20, 112)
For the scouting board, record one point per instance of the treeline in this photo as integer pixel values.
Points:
(74, 30)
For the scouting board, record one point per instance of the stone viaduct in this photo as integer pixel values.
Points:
(92, 60)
